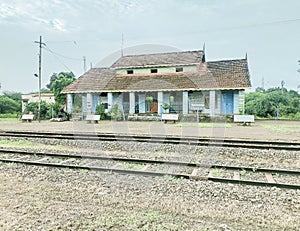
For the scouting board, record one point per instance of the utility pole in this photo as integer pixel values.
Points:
(40, 75)
(84, 64)
(122, 44)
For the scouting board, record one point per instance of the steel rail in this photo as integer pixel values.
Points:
(257, 144)
(149, 161)
(121, 171)
(150, 173)
(254, 183)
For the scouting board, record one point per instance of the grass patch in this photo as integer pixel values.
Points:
(28, 144)
(9, 120)
(204, 125)
(9, 116)
(148, 219)
(218, 172)
(133, 166)
(282, 128)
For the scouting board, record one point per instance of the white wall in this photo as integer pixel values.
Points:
(160, 70)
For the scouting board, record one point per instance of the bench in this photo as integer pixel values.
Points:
(92, 118)
(166, 117)
(27, 117)
(243, 119)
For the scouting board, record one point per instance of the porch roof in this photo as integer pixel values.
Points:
(95, 80)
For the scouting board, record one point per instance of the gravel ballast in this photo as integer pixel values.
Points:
(45, 198)
(41, 198)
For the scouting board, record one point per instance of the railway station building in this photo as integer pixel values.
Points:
(175, 82)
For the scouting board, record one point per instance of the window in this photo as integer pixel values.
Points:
(129, 72)
(179, 69)
(153, 70)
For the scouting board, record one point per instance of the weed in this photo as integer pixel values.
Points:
(218, 172)
(243, 172)
(133, 166)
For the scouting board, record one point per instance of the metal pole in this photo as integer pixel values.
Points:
(40, 75)
(84, 64)
(40, 78)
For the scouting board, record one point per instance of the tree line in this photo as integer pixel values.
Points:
(272, 102)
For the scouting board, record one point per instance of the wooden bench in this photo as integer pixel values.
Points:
(92, 118)
(166, 117)
(243, 119)
(27, 117)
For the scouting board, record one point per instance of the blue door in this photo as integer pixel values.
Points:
(227, 102)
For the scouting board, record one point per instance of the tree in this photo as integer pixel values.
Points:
(10, 102)
(59, 82)
(265, 104)
(17, 96)
(9, 106)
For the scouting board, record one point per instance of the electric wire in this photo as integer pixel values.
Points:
(56, 56)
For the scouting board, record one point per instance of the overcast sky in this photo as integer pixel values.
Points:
(268, 30)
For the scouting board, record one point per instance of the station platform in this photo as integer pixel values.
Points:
(260, 130)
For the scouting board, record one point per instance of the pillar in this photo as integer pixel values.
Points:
(84, 104)
(142, 102)
(160, 101)
(185, 102)
(131, 103)
(69, 103)
(89, 103)
(166, 99)
(109, 100)
(212, 100)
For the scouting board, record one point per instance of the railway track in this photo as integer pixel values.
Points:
(280, 178)
(236, 143)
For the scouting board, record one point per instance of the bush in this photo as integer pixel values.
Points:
(100, 110)
(115, 113)
(34, 108)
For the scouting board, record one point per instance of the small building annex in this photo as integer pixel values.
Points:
(34, 98)
(184, 81)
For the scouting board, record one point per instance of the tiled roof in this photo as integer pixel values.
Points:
(228, 74)
(95, 80)
(231, 74)
(160, 59)
(151, 82)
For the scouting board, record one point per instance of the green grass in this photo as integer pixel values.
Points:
(133, 166)
(28, 144)
(218, 172)
(204, 125)
(9, 116)
(282, 128)
(148, 219)
(9, 121)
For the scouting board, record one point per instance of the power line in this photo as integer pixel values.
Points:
(261, 24)
(63, 56)
(47, 49)
(56, 55)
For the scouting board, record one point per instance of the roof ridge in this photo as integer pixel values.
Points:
(171, 52)
(226, 60)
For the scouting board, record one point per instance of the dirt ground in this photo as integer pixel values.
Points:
(260, 130)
